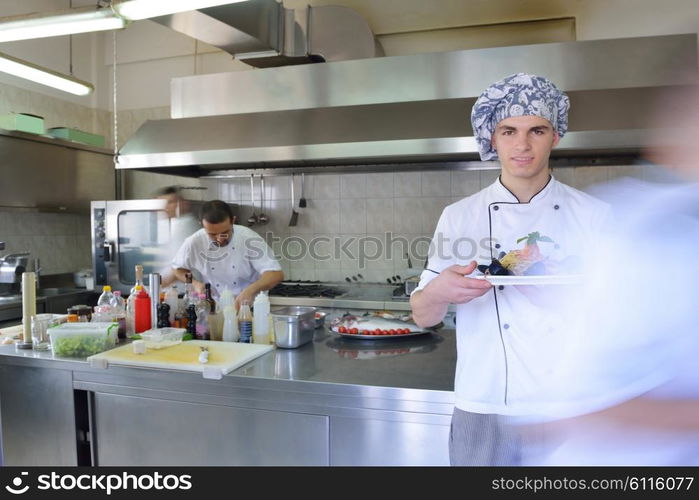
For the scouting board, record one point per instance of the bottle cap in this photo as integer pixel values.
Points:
(106, 288)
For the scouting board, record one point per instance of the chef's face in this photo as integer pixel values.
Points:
(524, 144)
(219, 232)
(171, 206)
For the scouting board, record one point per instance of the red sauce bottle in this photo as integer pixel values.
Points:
(142, 319)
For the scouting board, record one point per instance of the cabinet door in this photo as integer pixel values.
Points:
(144, 431)
(369, 441)
(38, 422)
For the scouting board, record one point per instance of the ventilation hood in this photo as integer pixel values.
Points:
(263, 33)
(404, 109)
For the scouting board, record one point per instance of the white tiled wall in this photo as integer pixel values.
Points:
(60, 241)
(358, 207)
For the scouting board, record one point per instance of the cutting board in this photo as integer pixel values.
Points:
(224, 357)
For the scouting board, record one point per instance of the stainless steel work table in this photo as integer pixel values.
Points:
(334, 401)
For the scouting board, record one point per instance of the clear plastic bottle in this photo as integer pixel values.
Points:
(119, 313)
(260, 325)
(106, 298)
(118, 302)
(245, 322)
(230, 325)
(189, 293)
(172, 300)
(202, 309)
(131, 316)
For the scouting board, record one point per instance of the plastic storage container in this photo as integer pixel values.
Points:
(23, 122)
(293, 326)
(80, 340)
(76, 135)
(159, 338)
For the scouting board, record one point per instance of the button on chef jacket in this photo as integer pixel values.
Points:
(506, 345)
(235, 265)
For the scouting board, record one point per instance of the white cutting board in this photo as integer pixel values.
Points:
(224, 357)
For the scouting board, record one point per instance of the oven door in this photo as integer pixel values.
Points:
(126, 233)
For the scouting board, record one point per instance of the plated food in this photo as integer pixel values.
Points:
(529, 261)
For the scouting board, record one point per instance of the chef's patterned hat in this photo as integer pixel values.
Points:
(517, 95)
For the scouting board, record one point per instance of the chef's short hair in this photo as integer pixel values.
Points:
(168, 190)
(216, 211)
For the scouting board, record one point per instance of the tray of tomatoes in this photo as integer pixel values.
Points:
(378, 333)
(375, 328)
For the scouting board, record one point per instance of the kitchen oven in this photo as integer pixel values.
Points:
(130, 232)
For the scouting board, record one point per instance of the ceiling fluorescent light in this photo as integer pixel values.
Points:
(135, 10)
(43, 76)
(59, 23)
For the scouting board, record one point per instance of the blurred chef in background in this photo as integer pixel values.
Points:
(627, 391)
(183, 223)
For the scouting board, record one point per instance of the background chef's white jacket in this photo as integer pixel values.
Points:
(235, 265)
(506, 345)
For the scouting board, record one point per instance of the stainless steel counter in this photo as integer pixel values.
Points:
(324, 403)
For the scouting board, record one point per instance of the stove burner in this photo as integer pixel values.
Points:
(311, 289)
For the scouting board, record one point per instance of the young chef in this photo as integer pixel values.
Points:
(227, 255)
(507, 336)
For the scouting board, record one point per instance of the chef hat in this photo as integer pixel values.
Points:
(517, 95)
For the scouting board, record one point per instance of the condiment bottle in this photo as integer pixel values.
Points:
(260, 325)
(142, 316)
(230, 325)
(245, 322)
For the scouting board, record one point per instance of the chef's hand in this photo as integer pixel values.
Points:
(198, 286)
(452, 286)
(246, 294)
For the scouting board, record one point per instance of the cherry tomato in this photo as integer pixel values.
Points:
(384, 332)
(405, 330)
(392, 331)
(353, 331)
(377, 331)
(366, 332)
(342, 329)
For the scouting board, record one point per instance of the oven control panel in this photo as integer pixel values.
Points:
(100, 250)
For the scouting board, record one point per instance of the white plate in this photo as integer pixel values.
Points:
(381, 337)
(547, 279)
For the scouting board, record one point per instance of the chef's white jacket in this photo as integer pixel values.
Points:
(235, 265)
(507, 346)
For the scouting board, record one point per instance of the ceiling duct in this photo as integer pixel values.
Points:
(404, 109)
(263, 33)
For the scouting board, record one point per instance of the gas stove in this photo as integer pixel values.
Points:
(306, 289)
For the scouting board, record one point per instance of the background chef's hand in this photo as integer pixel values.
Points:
(246, 294)
(198, 286)
(453, 287)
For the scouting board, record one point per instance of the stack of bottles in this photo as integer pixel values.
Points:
(111, 308)
(201, 315)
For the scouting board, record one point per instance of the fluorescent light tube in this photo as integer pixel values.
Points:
(134, 10)
(43, 76)
(59, 23)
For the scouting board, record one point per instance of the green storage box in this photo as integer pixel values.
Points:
(75, 135)
(22, 122)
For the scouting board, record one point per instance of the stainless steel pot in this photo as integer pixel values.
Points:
(411, 284)
(293, 326)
